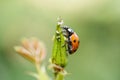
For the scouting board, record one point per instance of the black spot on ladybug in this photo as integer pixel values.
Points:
(74, 50)
(74, 41)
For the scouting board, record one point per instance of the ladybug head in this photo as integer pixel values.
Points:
(68, 30)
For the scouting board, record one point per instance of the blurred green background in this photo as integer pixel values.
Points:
(97, 22)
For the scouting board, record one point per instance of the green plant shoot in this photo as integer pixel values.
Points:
(59, 53)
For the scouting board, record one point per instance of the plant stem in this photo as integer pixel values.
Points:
(59, 76)
(41, 72)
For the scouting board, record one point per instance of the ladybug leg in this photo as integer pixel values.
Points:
(69, 49)
(66, 45)
(66, 42)
(69, 46)
(65, 33)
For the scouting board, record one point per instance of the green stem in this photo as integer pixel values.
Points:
(41, 73)
(38, 70)
(59, 76)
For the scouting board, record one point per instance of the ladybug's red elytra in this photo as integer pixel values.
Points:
(72, 39)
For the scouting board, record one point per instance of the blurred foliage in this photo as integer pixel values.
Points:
(95, 21)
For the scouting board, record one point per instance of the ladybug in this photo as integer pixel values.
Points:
(72, 39)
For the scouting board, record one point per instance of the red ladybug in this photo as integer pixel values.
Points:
(72, 39)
